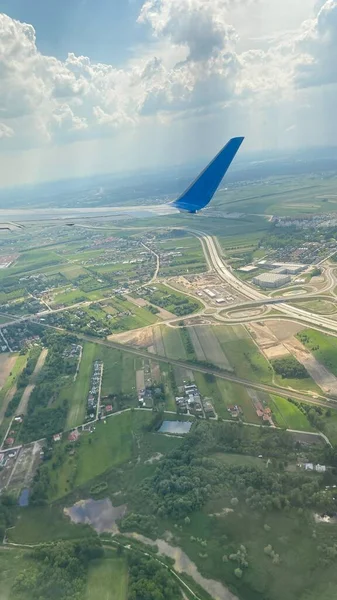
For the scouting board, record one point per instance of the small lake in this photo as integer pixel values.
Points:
(177, 427)
(24, 497)
(100, 514)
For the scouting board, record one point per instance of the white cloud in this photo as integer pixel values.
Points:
(192, 67)
(5, 131)
(319, 43)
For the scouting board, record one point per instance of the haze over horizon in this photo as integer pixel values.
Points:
(91, 88)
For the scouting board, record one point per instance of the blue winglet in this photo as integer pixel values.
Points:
(203, 188)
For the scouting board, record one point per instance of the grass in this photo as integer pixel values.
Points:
(78, 392)
(12, 562)
(39, 524)
(207, 346)
(68, 298)
(107, 580)
(119, 371)
(173, 344)
(241, 460)
(110, 445)
(243, 354)
(322, 345)
(20, 364)
(288, 415)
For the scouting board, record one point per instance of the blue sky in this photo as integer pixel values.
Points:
(100, 86)
(104, 30)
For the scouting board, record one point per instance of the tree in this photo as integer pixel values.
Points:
(238, 573)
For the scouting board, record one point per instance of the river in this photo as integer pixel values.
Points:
(183, 564)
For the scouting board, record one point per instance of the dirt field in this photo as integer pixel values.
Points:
(138, 337)
(275, 351)
(22, 408)
(25, 467)
(283, 329)
(7, 362)
(155, 371)
(326, 380)
(140, 379)
(263, 335)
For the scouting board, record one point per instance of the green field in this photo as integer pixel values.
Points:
(67, 298)
(243, 354)
(107, 580)
(119, 375)
(78, 391)
(18, 367)
(322, 345)
(173, 344)
(111, 444)
(288, 415)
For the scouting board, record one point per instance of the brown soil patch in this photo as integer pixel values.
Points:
(7, 362)
(275, 351)
(138, 337)
(283, 329)
(155, 371)
(264, 337)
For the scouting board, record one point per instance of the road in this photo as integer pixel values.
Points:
(307, 317)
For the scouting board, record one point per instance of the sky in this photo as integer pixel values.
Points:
(91, 86)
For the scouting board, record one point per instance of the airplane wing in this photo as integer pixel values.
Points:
(203, 188)
(195, 198)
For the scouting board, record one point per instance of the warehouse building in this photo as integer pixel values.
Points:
(271, 280)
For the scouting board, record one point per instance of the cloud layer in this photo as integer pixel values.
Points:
(44, 100)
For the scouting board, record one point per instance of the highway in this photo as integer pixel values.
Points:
(299, 314)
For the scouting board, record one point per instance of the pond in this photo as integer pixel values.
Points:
(24, 497)
(100, 514)
(177, 427)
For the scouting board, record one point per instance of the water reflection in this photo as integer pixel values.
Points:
(100, 514)
(177, 427)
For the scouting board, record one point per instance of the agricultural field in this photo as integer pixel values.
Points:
(288, 415)
(207, 347)
(300, 194)
(243, 354)
(107, 580)
(322, 345)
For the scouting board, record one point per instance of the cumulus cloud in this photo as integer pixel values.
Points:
(319, 43)
(45, 100)
(201, 26)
